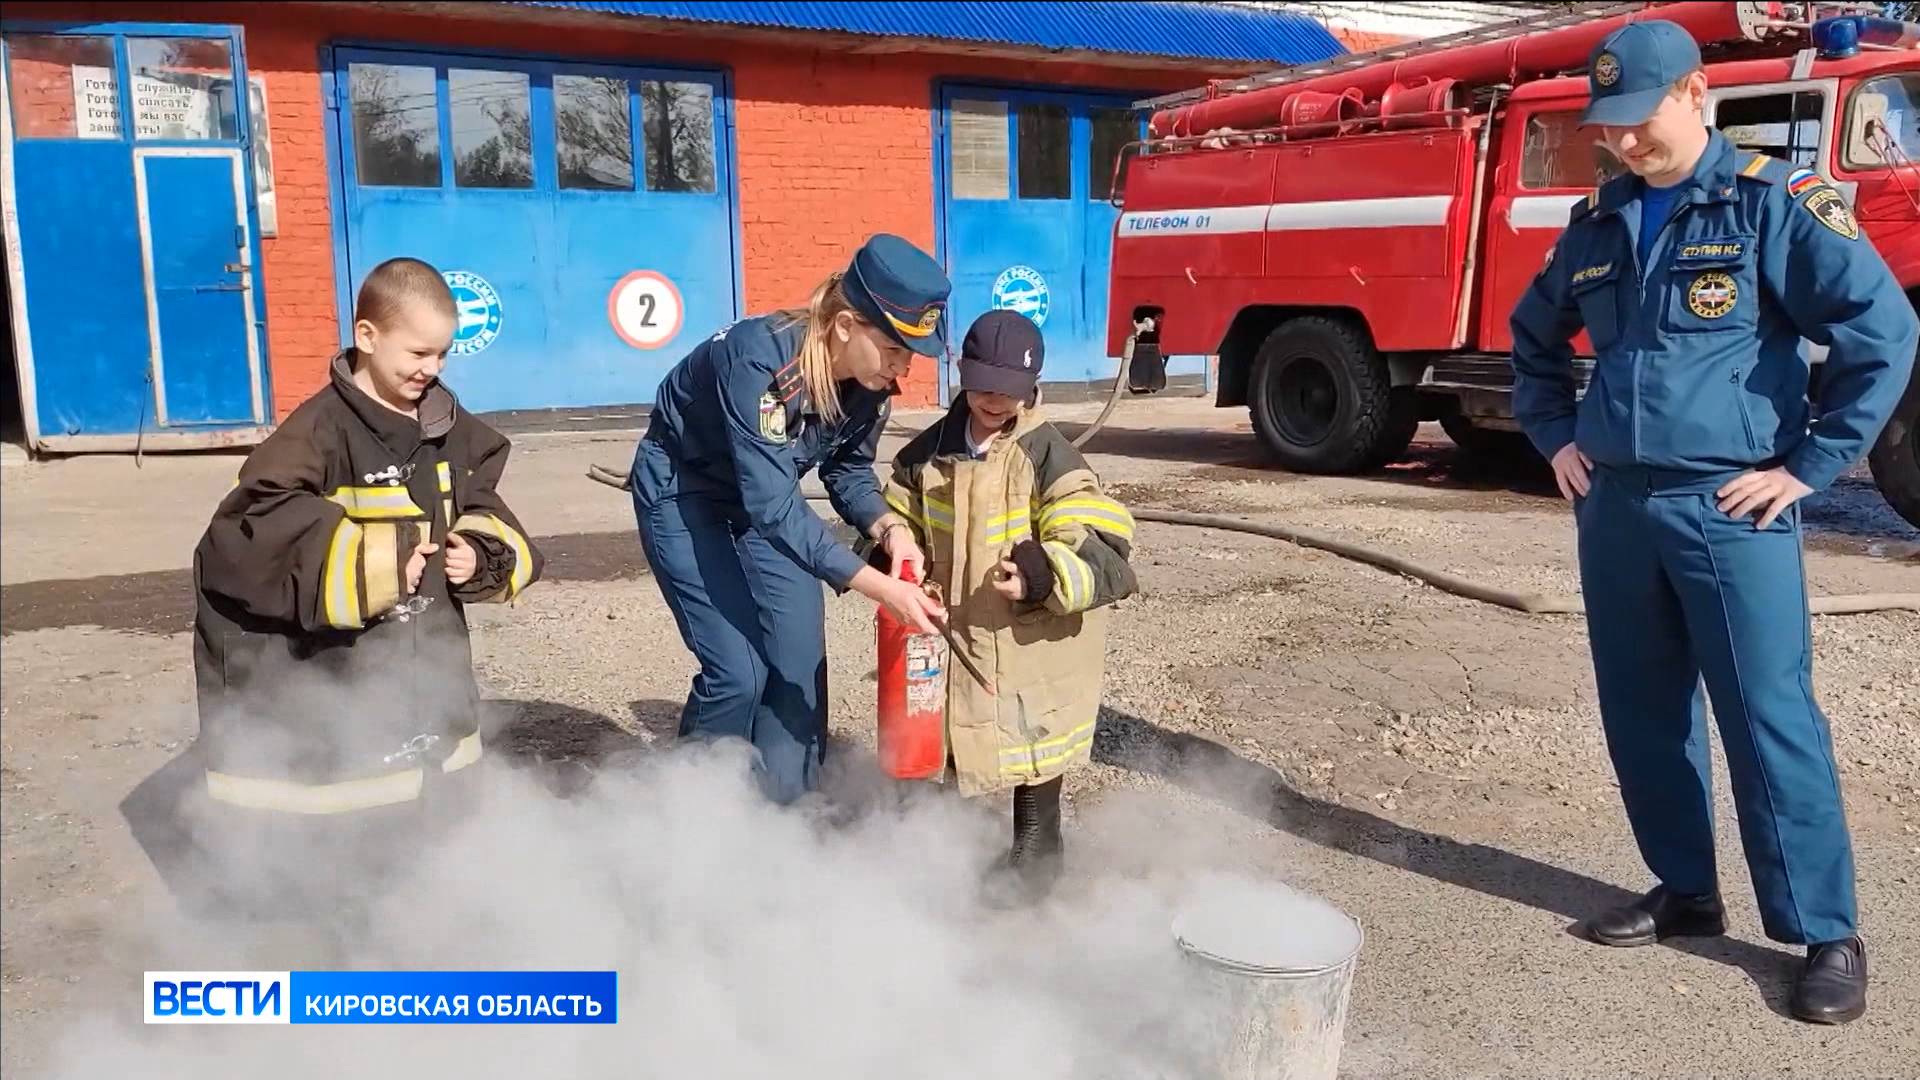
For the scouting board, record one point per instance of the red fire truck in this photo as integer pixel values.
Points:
(1349, 237)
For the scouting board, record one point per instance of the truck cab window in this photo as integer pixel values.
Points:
(1560, 155)
(1882, 119)
(1786, 126)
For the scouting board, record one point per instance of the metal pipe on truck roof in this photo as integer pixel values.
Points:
(1530, 55)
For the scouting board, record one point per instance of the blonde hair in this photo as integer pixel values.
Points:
(816, 359)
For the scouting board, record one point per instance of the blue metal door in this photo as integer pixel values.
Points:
(200, 302)
(1026, 218)
(582, 214)
(136, 304)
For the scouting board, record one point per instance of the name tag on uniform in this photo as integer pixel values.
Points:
(1711, 251)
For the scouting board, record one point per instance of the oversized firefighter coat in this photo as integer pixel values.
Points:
(323, 686)
(1047, 658)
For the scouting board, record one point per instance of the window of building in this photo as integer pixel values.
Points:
(980, 149)
(1559, 154)
(396, 125)
(492, 128)
(182, 88)
(1113, 129)
(62, 87)
(677, 130)
(593, 132)
(1045, 147)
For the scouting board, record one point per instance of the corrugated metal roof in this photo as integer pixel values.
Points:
(1169, 28)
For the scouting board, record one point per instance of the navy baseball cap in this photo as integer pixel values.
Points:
(1002, 354)
(900, 289)
(1633, 68)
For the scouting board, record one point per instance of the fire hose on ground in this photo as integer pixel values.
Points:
(1527, 603)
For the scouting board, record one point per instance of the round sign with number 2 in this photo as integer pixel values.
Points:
(645, 309)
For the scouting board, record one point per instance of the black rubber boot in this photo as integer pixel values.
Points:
(1027, 873)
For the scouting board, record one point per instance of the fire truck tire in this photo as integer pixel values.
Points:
(1322, 398)
(1895, 459)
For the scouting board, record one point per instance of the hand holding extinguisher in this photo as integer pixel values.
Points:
(903, 550)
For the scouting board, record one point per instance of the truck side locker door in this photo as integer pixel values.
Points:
(1545, 164)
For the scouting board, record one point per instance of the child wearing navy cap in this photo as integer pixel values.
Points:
(1029, 553)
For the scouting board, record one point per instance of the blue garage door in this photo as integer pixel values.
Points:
(136, 240)
(582, 214)
(1027, 214)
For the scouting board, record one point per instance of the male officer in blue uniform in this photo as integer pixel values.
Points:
(737, 553)
(1695, 277)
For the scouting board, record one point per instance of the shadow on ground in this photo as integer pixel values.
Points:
(1219, 773)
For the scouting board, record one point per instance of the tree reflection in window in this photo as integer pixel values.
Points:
(593, 129)
(678, 131)
(396, 125)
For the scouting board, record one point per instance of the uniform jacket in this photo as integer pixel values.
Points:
(1699, 366)
(321, 684)
(1046, 658)
(733, 423)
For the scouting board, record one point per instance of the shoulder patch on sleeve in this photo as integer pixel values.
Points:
(1830, 209)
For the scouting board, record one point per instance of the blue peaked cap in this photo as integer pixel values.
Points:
(1633, 68)
(902, 290)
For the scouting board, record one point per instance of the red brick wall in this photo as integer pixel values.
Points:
(831, 145)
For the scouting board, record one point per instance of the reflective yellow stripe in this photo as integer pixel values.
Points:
(1753, 167)
(381, 545)
(1030, 757)
(900, 505)
(489, 525)
(1072, 577)
(335, 798)
(446, 476)
(341, 595)
(377, 502)
(1014, 535)
(939, 514)
(1093, 512)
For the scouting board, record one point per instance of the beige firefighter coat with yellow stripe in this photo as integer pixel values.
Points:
(1047, 660)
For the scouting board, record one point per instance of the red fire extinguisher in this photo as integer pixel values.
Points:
(913, 696)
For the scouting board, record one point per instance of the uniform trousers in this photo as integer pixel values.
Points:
(1675, 591)
(756, 622)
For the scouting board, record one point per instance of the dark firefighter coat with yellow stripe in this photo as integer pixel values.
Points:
(1047, 657)
(323, 686)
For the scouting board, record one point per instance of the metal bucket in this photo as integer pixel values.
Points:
(1275, 968)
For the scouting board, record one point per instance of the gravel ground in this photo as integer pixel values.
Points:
(1429, 764)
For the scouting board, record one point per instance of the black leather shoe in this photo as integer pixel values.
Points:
(1659, 915)
(1833, 986)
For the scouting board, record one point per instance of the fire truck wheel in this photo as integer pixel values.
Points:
(1895, 459)
(1322, 399)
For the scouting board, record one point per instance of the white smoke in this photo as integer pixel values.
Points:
(831, 940)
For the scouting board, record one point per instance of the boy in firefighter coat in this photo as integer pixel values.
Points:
(1027, 552)
(335, 681)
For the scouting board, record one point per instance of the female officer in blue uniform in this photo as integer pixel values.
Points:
(738, 554)
(1696, 277)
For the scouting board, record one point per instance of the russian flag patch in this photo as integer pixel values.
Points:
(1802, 181)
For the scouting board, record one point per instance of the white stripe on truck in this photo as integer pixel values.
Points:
(1542, 211)
(1416, 210)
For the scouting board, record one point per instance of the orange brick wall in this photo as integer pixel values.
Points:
(831, 145)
